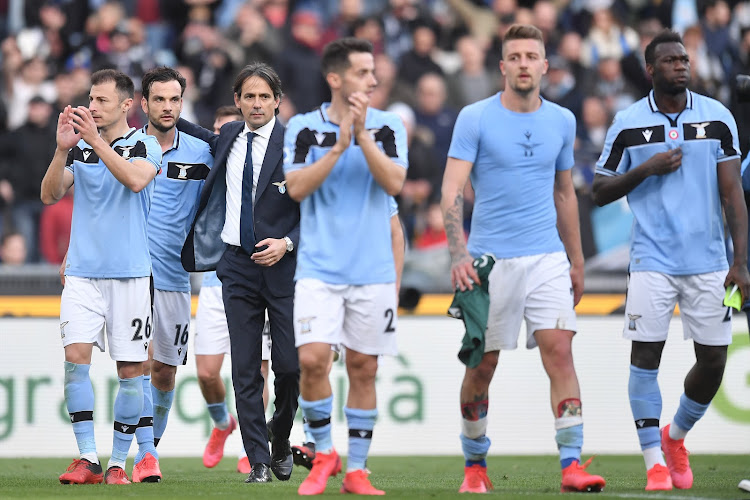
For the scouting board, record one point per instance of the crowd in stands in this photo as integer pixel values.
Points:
(432, 58)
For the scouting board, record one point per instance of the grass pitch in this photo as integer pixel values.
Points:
(716, 477)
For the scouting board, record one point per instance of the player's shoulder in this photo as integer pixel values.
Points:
(186, 141)
(311, 118)
(635, 114)
(558, 111)
(706, 104)
(478, 107)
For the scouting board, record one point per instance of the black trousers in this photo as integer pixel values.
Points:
(246, 299)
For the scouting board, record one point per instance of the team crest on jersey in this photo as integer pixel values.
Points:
(62, 329)
(125, 151)
(281, 186)
(633, 318)
(528, 146)
(305, 326)
(673, 134)
(700, 129)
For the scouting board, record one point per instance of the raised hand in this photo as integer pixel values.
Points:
(84, 123)
(66, 134)
(358, 103)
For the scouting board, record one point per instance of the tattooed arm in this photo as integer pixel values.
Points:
(733, 201)
(463, 274)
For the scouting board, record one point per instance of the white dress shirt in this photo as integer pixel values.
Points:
(230, 234)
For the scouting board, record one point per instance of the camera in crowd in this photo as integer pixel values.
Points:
(742, 85)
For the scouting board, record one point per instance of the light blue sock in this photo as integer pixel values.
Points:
(144, 434)
(688, 413)
(645, 403)
(361, 423)
(219, 414)
(569, 442)
(79, 397)
(475, 450)
(128, 407)
(306, 428)
(162, 405)
(318, 415)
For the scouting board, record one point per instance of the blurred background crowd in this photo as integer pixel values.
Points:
(432, 58)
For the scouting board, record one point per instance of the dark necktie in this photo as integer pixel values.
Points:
(247, 233)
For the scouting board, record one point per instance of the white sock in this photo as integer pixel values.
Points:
(653, 456)
(91, 457)
(675, 432)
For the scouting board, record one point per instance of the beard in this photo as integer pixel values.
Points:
(161, 128)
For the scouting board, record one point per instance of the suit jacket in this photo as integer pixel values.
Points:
(275, 214)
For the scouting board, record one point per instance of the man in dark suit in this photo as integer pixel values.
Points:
(247, 228)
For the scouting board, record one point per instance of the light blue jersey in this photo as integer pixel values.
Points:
(345, 224)
(176, 196)
(515, 157)
(678, 227)
(392, 207)
(108, 233)
(210, 279)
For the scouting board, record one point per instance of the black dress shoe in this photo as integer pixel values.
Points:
(260, 473)
(281, 460)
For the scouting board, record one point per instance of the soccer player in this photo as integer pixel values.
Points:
(342, 162)
(108, 266)
(675, 155)
(212, 343)
(304, 454)
(517, 148)
(186, 162)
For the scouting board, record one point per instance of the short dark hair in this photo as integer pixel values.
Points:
(666, 36)
(336, 54)
(161, 74)
(228, 111)
(523, 32)
(263, 71)
(123, 83)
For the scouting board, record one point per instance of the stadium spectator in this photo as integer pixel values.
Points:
(473, 81)
(26, 153)
(54, 229)
(113, 166)
(418, 61)
(434, 114)
(299, 63)
(337, 301)
(540, 260)
(12, 249)
(677, 250)
(247, 228)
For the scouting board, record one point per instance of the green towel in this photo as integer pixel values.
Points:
(473, 307)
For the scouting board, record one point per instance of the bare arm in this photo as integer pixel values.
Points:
(303, 182)
(135, 174)
(569, 228)
(57, 180)
(463, 274)
(607, 189)
(733, 201)
(398, 245)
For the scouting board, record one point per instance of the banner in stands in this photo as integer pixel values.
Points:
(417, 395)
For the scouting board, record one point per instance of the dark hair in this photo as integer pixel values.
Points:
(123, 83)
(336, 54)
(523, 32)
(263, 71)
(666, 36)
(162, 74)
(228, 111)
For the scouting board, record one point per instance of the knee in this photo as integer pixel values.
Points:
(483, 373)
(712, 361)
(163, 375)
(312, 365)
(207, 376)
(362, 368)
